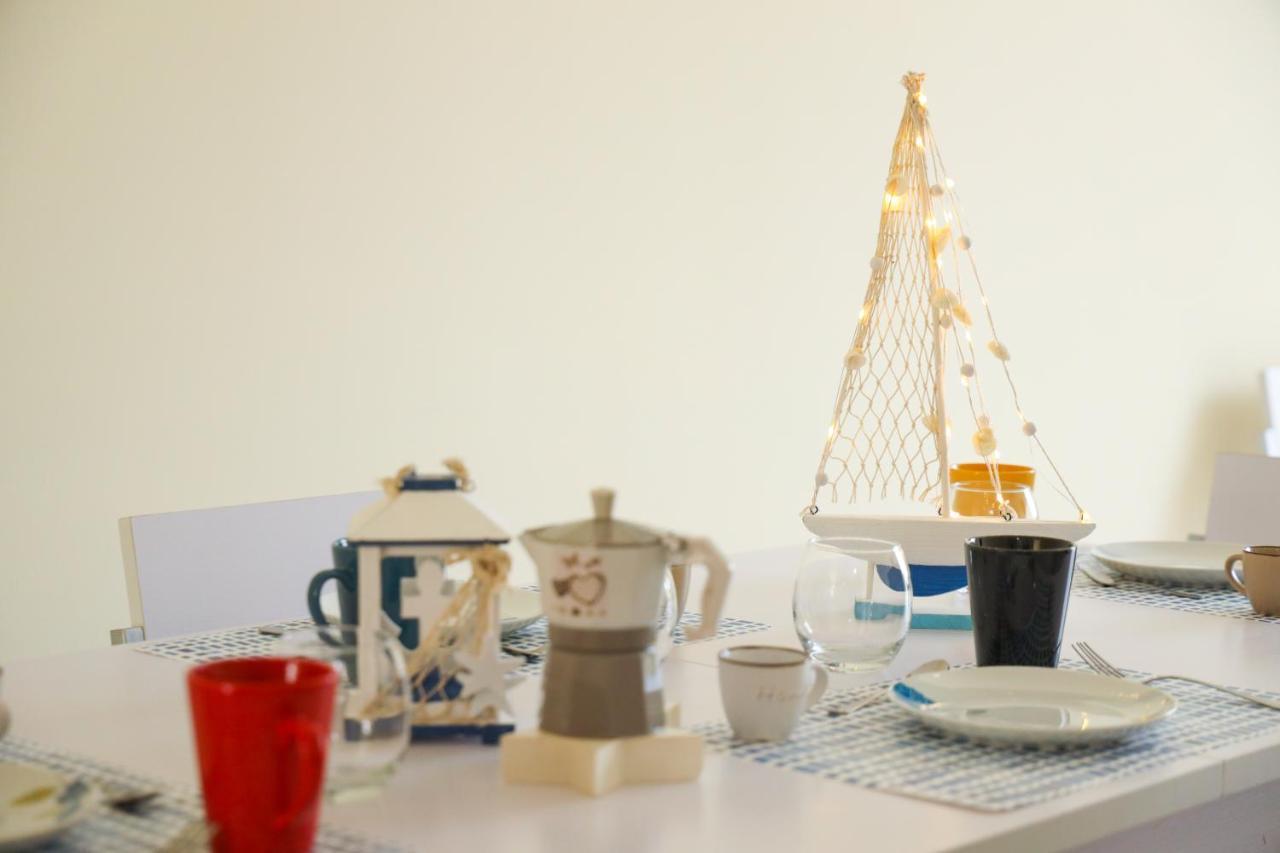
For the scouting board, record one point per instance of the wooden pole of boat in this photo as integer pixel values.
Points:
(914, 83)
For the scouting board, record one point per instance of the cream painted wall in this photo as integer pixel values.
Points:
(259, 250)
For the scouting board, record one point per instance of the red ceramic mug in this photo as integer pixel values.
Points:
(262, 731)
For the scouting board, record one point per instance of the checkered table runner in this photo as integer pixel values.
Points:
(249, 642)
(881, 747)
(1213, 601)
(219, 645)
(155, 824)
(532, 641)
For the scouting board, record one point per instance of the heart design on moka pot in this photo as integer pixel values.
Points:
(588, 589)
(603, 573)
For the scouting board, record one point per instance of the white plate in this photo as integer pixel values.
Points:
(37, 805)
(1184, 563)
(1029, 705)
(520, 608)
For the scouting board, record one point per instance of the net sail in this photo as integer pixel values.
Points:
(887, 434)
(890, 428)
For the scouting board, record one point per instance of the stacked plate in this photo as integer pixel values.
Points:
(1177, 563)
(37, 805)
(520, 609)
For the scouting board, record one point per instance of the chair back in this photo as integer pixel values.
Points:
(1243, 500)
(1271, 433)
(205, 569)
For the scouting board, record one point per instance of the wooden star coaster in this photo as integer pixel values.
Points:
(597, 766)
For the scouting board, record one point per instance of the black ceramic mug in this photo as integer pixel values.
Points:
(1018, 587)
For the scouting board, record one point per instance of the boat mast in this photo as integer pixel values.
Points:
(914, 84)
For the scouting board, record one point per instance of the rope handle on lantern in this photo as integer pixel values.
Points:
(394, 484)
(490, 566)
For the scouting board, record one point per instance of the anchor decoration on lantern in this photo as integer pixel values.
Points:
(460, 678)
(924, 339)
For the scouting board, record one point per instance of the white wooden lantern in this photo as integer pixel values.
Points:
(423, 516)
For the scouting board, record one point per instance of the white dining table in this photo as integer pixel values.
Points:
(129, 708)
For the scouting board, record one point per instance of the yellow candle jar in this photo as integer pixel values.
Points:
(975, 502)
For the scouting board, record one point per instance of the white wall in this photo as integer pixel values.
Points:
(252, 251)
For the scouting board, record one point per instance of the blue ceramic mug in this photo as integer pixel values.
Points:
(344, 573)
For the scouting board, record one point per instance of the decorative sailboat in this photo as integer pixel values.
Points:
(890, 429)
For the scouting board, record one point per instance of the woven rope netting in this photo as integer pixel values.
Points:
(890, 429)
(882, 443)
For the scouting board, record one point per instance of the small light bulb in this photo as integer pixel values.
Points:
(919, 141)
(951, 184)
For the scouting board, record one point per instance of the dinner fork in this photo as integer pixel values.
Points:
(1100, 665)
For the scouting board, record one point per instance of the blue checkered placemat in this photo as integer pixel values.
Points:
(881, 747)
(1212, 601)
(219, 645)
(531, 642)
(153, 825)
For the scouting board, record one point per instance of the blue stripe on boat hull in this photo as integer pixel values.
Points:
(926, 580)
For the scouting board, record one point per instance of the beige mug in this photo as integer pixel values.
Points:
(1261, 579)
(765, 689)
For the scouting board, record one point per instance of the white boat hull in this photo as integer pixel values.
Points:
(936, 541)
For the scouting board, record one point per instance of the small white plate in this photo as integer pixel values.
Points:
(1028, 705)
(1183, 563)
(37, 805)
(520, 608)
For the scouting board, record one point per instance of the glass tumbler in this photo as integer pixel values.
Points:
(846, 613)
(369, 737)
(1009, 500)
(670, 612)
